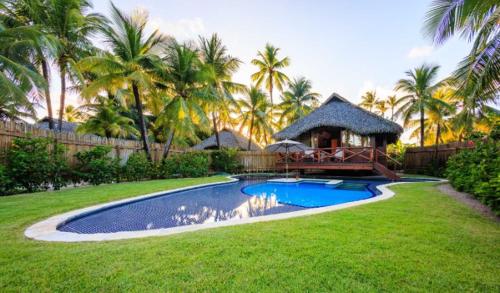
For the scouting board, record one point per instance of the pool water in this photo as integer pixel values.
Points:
(227, 201)
(310, 194)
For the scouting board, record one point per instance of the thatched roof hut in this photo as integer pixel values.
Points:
(336, 115)
(228, 139)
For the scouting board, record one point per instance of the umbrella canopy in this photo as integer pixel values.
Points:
(286, 146)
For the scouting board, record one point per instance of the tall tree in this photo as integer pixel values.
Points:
(478, 74)
(32, 13)
(369, 100)
(270, 66)
(381, 107)
(130, 65)
(418, 87)
(217, 69)
(392, 103)
(19, 80)
(255, 114)
(298, 100)
(70, 22)
(183, 111)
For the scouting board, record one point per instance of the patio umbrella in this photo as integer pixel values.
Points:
(286, 146)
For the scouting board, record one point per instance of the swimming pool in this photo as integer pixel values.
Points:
(228, 201)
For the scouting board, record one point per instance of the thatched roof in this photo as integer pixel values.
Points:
(66, 126)
(228, 139)
(336, 111)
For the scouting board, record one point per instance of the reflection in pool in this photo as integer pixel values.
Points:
(216, 203)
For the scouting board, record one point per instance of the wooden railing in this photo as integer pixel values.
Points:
(337, 155)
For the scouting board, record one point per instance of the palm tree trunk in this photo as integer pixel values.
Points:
(422, 120)
(142, 124)
(168, 144)
(217, 138)
(271, 88)
(392, 113)
(45, 73)
(250, 134)
(62, 72)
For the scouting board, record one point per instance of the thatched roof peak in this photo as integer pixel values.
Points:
(337, 111)
(229, 139)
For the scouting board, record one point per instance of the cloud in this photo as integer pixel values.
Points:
(183, 29)
(419, 52)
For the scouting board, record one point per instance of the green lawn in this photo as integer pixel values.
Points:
(420, 240)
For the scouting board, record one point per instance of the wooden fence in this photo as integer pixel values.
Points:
(257, 161)
(73, 142)
(421, 158)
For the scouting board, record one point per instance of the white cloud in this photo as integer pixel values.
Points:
(419, 52)
(183, 29)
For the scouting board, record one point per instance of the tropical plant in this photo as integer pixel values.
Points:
(95, 166)
(18, 77)
(193, 164)
(369, 100)
(138, 167)
(255, 115)
(72, 113)
(106, 120)
(217, 69)
(70, 22)
(418, 89)
(183, 110)
(32, 13)
(131, 64)
(270, 66)
(381, 107)
(298, 100)
(392, 102)
(478, 74)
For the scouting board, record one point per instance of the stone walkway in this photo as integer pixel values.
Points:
(468, 200)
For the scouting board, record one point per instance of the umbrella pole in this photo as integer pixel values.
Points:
(286, 162)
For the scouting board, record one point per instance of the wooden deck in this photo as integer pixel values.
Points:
(340, 158)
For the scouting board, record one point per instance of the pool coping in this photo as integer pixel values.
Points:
(46, 230)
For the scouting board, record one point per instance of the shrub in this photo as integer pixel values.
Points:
(5, 182)
(33, 164)
(96, 166)
(225, 160)
(477, 171)
(192, 164)
(138, 167)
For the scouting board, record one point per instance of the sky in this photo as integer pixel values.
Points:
(347, 47)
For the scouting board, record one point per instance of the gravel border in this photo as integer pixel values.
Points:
(469, 200)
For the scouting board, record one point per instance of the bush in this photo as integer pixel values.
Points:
(33, 164)
(192, 164)
(225, 160)
(477, 171)
(138, 167)
(96, 166)
(5, 183)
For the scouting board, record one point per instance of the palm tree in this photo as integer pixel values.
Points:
(298, 100)
(18, 77)
(130, 65)
(107, 120)
(479, 72)
(369, 100)
(70, 23)
(217, 69)
(183, 110)
(381, 107)
(31, 13)
(418, 87)
(392, 103)
(255, 114)
(72, 113)
(269, 72)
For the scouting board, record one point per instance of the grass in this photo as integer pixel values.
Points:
(420, 240)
